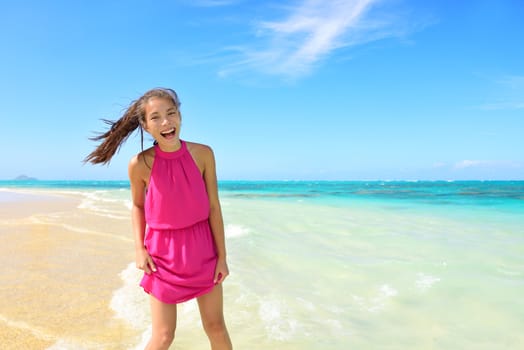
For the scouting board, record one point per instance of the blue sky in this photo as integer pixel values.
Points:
(306, 89)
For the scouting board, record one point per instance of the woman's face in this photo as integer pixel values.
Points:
(162, 121)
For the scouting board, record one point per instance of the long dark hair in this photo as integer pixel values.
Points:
(120, 130)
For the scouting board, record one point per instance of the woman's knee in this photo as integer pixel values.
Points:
(164, 324)
(162, 339)
(215, 328)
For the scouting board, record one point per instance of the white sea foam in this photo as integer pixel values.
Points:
(424, 282)
(334, 324)
(510, 273)
(306, 304)
(130, 304)
(378, 301)
(128, 301)
(385, 293)
(146, 335)
(128, 204)
(101, 203)
(277, 319)
(234, 230)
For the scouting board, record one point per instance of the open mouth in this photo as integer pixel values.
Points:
(168, 133)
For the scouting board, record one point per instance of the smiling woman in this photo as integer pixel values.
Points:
(135, 117)
(163, 122)
(176, 215)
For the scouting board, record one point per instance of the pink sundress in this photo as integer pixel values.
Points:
(178, 236)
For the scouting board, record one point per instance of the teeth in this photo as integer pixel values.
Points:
(168, 131)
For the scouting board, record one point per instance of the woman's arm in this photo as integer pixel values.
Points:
(138, 190)
(215, 214)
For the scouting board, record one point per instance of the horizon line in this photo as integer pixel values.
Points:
(268, 180)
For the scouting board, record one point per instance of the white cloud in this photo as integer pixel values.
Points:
(310, 32)
(470, 163)
(465, 164)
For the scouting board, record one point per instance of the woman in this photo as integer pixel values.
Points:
(176, 215)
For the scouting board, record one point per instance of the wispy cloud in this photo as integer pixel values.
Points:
(513, 81)
(510, 89)
(465, 164)
(310, 32)
(471, 164)
(503, 105)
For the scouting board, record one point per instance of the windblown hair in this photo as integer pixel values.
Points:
(120, 130)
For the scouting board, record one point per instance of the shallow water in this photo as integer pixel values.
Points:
(313, 266)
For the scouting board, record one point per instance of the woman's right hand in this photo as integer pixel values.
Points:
(144, 261)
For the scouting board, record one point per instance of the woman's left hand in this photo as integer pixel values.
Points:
(221, 271)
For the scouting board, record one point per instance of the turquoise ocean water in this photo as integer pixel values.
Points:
(351, 265)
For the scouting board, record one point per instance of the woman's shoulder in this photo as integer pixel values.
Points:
(143, 159)
(198, 148)
(203, 154)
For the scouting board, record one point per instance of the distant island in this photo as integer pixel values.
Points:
(25, 178)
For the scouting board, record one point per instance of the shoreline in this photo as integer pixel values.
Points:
(70, 280)
(18, 203)
(60, 270)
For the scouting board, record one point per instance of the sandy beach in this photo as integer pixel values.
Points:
(57, 280)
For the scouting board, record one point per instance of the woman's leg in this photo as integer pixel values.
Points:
(164, 324)
(212, 314)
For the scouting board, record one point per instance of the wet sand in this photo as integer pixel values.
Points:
(59, 265)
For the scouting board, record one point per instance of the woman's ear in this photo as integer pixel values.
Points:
(143, 124)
